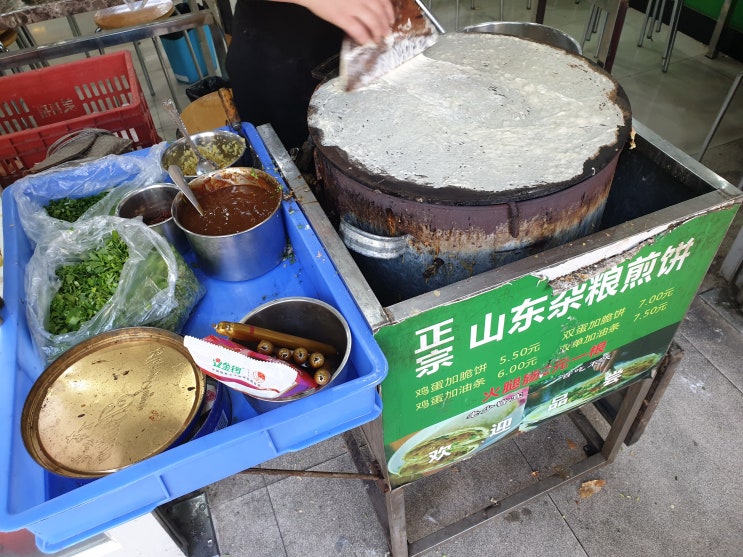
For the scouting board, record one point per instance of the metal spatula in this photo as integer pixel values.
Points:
(414, 30)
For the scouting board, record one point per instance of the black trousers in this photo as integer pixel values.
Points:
(275, 46)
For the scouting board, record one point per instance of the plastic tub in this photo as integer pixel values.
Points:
(97, 92)
(61, 511)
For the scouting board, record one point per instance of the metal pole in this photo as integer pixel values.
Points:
(725, 104)
(644, 27)
(673, 28)
(719, 26)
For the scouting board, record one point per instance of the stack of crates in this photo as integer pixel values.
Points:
(40, 106)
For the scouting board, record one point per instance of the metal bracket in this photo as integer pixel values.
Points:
(188, 520)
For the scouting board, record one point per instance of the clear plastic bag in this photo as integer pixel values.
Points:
(156, 287)
(118, 173)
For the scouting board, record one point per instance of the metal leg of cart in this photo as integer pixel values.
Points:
(188, 521)
(601, 451)
(665, 372)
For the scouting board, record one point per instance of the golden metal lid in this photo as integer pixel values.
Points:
(113, 400)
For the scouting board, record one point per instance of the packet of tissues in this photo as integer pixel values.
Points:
(247, 371)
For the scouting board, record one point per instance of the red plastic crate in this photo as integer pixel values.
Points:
(40, 106)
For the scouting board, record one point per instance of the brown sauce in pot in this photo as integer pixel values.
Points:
(229, 210)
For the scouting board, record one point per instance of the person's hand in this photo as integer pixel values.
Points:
(362, 20)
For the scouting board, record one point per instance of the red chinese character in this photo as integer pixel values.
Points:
(511, 385)
(531, 377)
(561, 364)
(493, 393)
(598, 349)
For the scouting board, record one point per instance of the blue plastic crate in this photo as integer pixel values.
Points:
(61, 511)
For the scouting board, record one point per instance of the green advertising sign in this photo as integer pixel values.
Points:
(465, 375)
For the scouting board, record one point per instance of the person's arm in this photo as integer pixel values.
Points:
(362, 20)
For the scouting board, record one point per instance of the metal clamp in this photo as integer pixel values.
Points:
(372, 245)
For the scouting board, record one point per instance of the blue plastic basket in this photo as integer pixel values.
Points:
(61, 511)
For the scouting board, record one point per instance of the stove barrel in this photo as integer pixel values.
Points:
(483, 150)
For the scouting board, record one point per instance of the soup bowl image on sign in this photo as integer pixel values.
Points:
(447, 442)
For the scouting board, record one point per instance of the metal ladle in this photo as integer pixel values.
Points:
(176, 174)
(203, 165)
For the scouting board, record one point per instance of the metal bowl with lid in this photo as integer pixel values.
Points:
(111, 401)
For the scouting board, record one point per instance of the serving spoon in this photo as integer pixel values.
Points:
(203, 165)
(176, 174)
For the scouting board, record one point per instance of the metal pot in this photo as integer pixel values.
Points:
(307, 318)
(405, 248)
(410, 236)
(153, 204)
(246, 254)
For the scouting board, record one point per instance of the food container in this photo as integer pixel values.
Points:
(484, 150)
(60, 512)
(257, 246)
(307, 318)
(111, 401)
(224, 148)
(153, 203)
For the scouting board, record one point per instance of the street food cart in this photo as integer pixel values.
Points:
(620, 294)
(437, 377)
(663, 203)
(490, 337)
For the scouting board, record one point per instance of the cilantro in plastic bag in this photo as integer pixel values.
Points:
(156, 287)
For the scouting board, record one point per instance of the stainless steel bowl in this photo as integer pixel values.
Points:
(308, 318)
(153, 203)
(223, 147)
(246, 254)
(532, 31)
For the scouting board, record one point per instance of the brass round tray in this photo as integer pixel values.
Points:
(113, 400)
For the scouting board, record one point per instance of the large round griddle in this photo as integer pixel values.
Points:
(478, 119)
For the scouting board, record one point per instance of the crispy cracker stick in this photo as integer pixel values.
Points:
(245, 331)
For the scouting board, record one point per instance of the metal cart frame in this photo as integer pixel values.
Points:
(627, 414)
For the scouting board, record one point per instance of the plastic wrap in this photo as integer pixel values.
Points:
(156, 286)
(119, 173)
